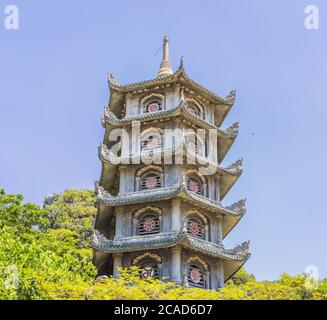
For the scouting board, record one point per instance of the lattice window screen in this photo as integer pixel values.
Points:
(195, 277)
(149, 224)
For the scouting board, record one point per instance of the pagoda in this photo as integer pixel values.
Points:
(161, 188)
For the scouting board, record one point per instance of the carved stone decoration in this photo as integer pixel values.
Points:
(107, 154)
(199, 260)
(147, 255)
(102, 193)
(242, 248)
(98, 238)
(233, 129)
(151, 182)
(238, 206)
(236, 167)
(194, 187)
(194, 228)
(231, 95)
(147, 209)
(149, 224)
(195, 276)
(111, 78)
(153, 107)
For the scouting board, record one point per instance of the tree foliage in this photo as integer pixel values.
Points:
(45, 254)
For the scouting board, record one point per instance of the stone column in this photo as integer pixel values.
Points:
(206, 232)
(136, 141)
(128, 105)
(118, 263)
(214, 230)
(176, 215)
(120, 217)
(217, 190)
(220, 229)
(220, 275)
(122, 179)
(134, 230)
(176, 264)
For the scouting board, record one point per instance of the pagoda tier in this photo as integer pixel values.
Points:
(225, 138)
(161, 186)
(227, 176)
(231, 214)
(118, 92)
(232, 259)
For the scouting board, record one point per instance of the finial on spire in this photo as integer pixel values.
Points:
(181, 64)
(165, 66)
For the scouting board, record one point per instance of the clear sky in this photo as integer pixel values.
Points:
(53, 90)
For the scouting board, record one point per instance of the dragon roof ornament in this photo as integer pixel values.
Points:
(236, 167)
(181, 64)
(238, 206)
(102, 194)
(233, 129)
(243, 248)
(231, 96)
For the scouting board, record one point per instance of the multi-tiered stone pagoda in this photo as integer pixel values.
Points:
(160, 192)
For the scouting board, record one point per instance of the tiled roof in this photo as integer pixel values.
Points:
(179, 75)
(105, 155)
(111, 119)
(144, 196)
(164, 240)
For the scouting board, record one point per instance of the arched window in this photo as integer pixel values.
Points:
(148, 223)
(195, 184)
(149, 177)
(152, 103)
(195, 227)
(196, 275)
(194, 108)
(151, 141)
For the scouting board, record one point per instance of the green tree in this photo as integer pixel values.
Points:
(37, 261)
(73, 210)
(241, 277)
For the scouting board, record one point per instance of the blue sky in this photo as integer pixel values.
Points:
(53, 90)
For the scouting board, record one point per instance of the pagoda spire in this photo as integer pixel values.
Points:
(165, 66)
